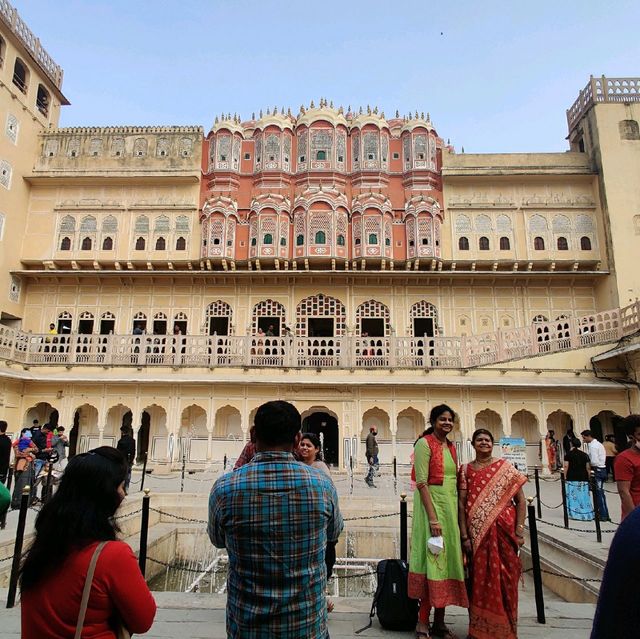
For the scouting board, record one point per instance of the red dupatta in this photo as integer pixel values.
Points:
(436, 461)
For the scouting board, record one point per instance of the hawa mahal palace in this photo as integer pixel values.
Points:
(343, 259)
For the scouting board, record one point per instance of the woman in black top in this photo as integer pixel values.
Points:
(576, 471)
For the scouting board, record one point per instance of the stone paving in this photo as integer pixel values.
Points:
(202, 615)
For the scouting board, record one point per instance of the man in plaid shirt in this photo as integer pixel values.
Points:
(274, 516)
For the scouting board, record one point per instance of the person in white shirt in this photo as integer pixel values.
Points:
(598, 459)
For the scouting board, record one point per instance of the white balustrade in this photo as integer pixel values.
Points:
(262, 351)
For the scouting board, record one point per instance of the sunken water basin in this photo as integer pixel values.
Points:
(181, 558)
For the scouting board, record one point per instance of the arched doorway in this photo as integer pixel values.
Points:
(142, 445)
(606, 422)
(324, 426)
(524, 425)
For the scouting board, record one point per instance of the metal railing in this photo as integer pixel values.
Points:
(349, 352)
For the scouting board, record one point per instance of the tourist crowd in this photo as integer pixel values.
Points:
(277, 515)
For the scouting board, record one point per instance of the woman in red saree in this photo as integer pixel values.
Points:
(492, 511)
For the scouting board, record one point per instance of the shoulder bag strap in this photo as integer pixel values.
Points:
(87, 588)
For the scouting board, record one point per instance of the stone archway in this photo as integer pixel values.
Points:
(524, 425)
(152, 434)
(84, 434)
(490, 420)
(325, 425)
(607, 422)
(193, 434)
(43, 412)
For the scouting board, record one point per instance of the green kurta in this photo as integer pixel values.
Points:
(437, 579)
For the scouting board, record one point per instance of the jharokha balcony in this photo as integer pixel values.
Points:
(350, 352)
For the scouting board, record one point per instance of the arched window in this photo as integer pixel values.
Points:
(321, 155)
(86, 244)
(299, 240)
(107, 244)
(585, 243)
(505, 244)
(161, 244)
(538, 243)
(65, 245)
(20, 75)
(357, 241)
(43, 100)
(254, 241)
(463, 243)
(140, 244)
(283, 241)
(387, 241)
(483, 243)
(268, 238)
(216, 241)
(181, 244)
(373, 238)
(340, 240)
(321, 237)
(563, 245)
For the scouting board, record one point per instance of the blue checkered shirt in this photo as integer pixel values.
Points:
(274, 516)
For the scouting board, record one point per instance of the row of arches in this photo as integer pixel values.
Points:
(200, 433)
(504, 243)
(89, 235)
(316, 316)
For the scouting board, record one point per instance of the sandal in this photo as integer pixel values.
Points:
(442, 632)
(423, 634)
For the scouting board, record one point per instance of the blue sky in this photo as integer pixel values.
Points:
(496, 76)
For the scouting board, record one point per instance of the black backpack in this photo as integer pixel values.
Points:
(391, 602)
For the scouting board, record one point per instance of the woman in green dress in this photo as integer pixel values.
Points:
(437, 580)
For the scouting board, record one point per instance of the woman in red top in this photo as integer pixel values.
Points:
(68, 529)
(627, 467)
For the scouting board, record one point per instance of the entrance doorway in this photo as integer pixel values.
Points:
(85, 326)
(218, 326)
(325, 426)
(142, 445)
(159, 327)
(320, 326)
(107, 326)
(423, 326)
(274, 322)
(181, 325)
(73, 434)
(372, 326)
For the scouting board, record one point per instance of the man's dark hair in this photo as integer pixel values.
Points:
(3, 426)
(575, 442)
(586, 433)
(35, 421)
(630, 423)
(277, 423)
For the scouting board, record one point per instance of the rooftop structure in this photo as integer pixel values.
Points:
(602, 89)
(9, 15)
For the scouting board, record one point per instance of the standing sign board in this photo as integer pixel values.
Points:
(514, 449)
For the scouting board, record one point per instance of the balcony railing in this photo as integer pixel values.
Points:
(18, 26)
(603, 89)
(215, 351)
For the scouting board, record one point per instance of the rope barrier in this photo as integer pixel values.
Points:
(571, 577)
(175, 566)
(584, 530)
